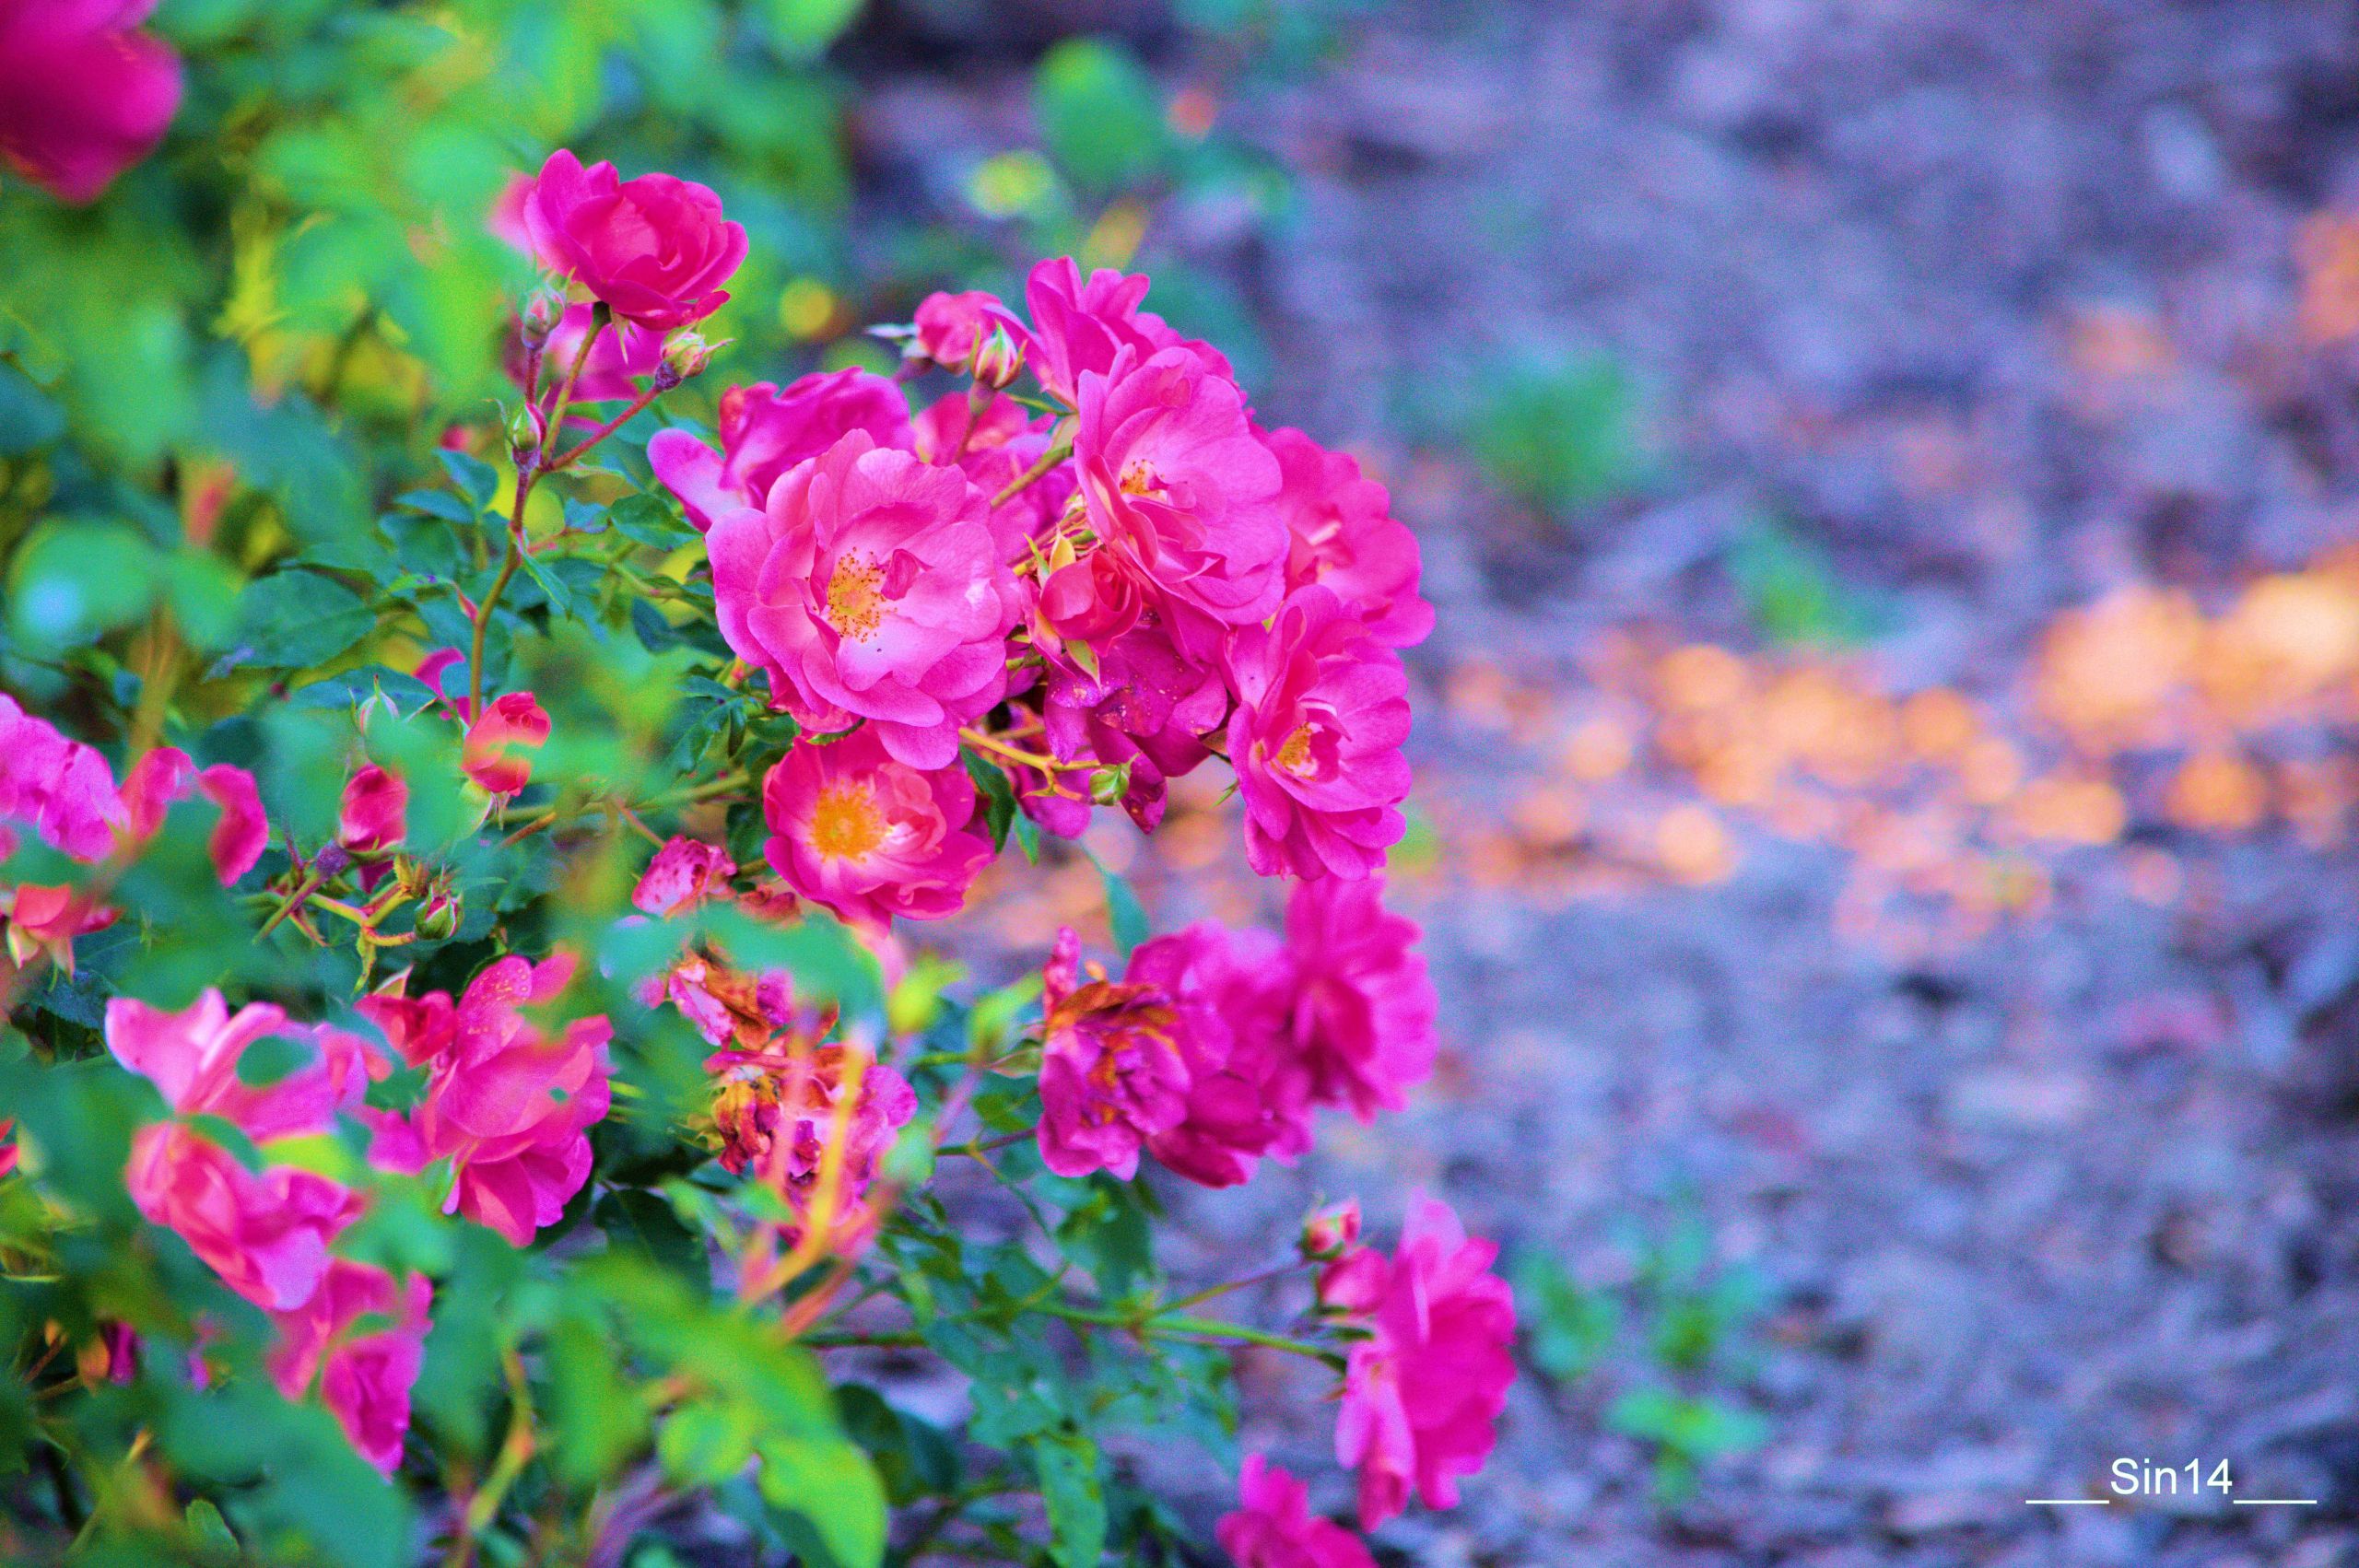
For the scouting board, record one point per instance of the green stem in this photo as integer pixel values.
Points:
(1049, 460)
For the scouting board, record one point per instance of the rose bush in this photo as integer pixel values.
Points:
(475, 1088)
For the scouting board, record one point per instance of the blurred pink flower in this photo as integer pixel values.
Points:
(625, 350)
(1274, 1528)
(508, 1105)
(47, 919)
(1246, 1097)
(655, 249)
(1177, 487)
(191, 1056)
(682, 876)
(1322, 712)
(870, 588)
(166, 775)
(1344, 537)
(375, 811)
(83, 96)
(764, 432)
(62, 787)
(775, 1110)
(368, 1377)
(1422, 1397)
(870, 836)
(506, 725)
(1112, 1074)
(1363, 1005)
(7, 1146)
(266, 1235)
(993, 449)
(950, 327)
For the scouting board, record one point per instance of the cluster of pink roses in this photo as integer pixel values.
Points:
(506, 1105)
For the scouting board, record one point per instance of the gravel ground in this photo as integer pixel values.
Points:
(1997, 303)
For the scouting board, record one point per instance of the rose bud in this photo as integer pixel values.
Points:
(1108, 785)
(1330, 1232)
(998, 360)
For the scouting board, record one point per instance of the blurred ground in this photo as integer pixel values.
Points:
(1997, 1044)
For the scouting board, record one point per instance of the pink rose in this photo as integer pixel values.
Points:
(1274, 1528)
(1422, 1396)
(1344, 537)
(1149, 703)
(1178, 491)
(682, 876)
(993, 449)
(1363, 1006)
(83, 96)
(1079, 326)
(1246, 1097)
(764, 432)
(7, 1146)
(870, 586)
(655, 249)
(368, 1377)
(775, 1110)
(266, 1235)
(506, 725)
(62, 787)
(47, 919)
(166, 775)
(1322, 711)
(1328, 1232)
(869, 836)
(507, 1104)
(192, 1058)
(950, 327)
(1112, 1075)
(375, 812)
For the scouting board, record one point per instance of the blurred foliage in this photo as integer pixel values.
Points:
(1557, 433)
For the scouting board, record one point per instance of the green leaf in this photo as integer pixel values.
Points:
(804, 28)
(1124, 913)
(833, 1484)
(1100, 113)
(297, 618)
(74, 581)
(1066, 1462)
(999, 796)
(708, 1441)
(476, 479)
(209, 1534)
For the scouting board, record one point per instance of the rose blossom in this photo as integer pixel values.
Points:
(166, 775)
(1112, 1075)
(870, 586)
(47, 919)
(1147, 704)
(61, 787)
(765, 431)
(682, 876)
(1246, 1097)
(776, 1108)
(368, 1377)
(83, 96)
(1344, 535)
(374, 815)
(192, 1058)
(950, 327)
(266, 1235)
(1363, 1006)
(1079, 326)
(1422, 1396)
(1274, 1527)
(993, 449)
(870, 836)
(1179, 492)
(7, 1146)
(1322, 710)
(508, 1105)
(655, 249)
(506, 725)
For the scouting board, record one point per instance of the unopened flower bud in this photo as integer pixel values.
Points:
(685, 354)
(523, 433)
(438, 918)
(998, 359)
(542, 312)
(1108, 785)
(1331, 1231)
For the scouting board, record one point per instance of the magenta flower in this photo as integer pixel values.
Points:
(47, 919)
(1246, 1097)
(1112, 1075)
(1344, 537)
(1422, 1396)
(1273, 1529)
(374, 815)
(1149, 703)
(1322, 711)
(506, 725)
(368, 1376)
(192, 1058)
(266, 1235)
(775, 1109)
(764, 432)
(950, 327)
(991, 449)
(507, 1104)
(166, 775)
(870, 588)
(7, 1146)
(1363, 1005)
(83, 95)
(1078, 327)
(1178, 491)
(62, 787)
(682, 876)
(655, 249)
(869, 836)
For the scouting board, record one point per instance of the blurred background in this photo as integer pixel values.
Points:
(1887, 474)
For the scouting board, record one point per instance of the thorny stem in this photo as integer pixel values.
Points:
(1049, 460)
(608, 428)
